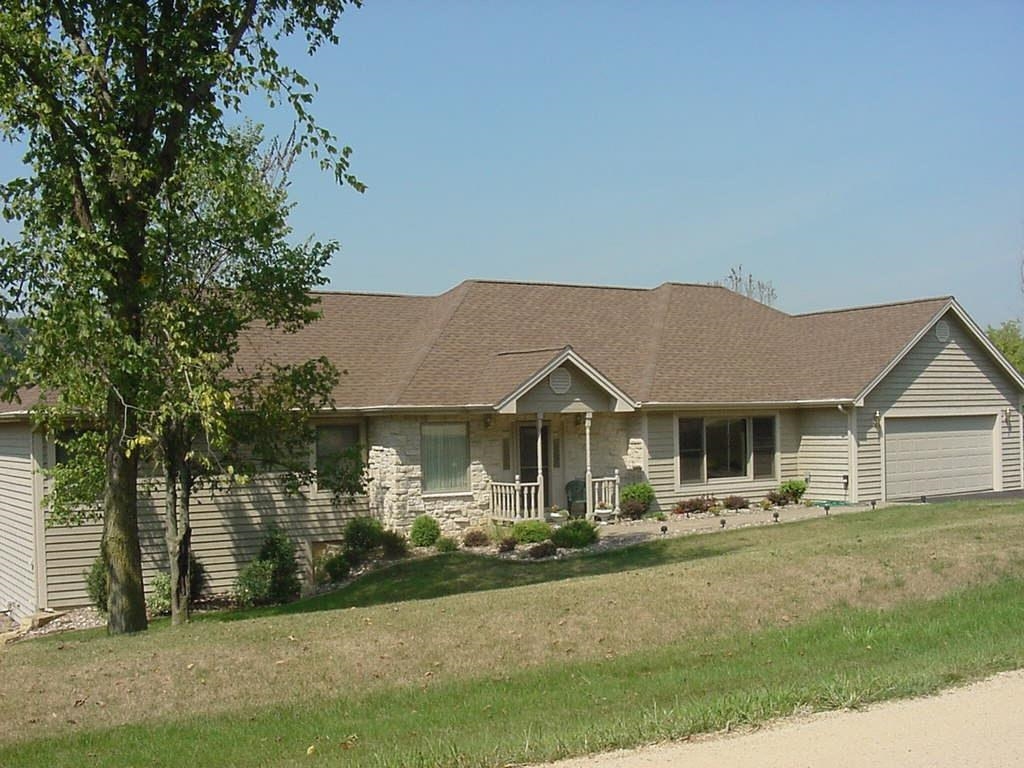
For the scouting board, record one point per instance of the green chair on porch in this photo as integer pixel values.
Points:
(576, 498)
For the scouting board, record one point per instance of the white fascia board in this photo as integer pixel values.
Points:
(746, 404)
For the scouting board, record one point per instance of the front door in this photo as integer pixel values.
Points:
(528, 457)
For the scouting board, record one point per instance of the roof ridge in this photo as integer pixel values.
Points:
(552, 284)
(875, 306)
(657, 331)
(425, 350)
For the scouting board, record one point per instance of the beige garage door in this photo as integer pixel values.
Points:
(936, 456)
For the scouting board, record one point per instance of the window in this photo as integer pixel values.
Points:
(725, 446)
(691, 450)
(722, 448)
(333, 442)
(764, 447)
(445, 455)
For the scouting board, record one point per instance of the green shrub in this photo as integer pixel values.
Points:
(353, 557)
(542, 550)
(425, 531)
(335, 567)
(273, 577)
(446, 544)
(159, 598)
(575, 534)
(735, 502)
(638, 492)
(363, 534)
(793, 490)
(777, 498)
(394, 544)
(255, 583)
(507, 544)
(96, 583)
(531, 531)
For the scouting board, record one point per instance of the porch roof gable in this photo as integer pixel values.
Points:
(622, 402)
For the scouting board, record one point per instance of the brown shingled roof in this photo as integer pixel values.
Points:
(674, 344)
(677, 343)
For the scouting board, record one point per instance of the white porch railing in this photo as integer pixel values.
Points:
(515, 501)
(604, 491)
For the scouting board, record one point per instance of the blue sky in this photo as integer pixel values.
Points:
(851, 153)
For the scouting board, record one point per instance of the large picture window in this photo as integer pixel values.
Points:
(726, 447)
(444, 450)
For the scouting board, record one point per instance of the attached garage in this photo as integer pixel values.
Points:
(938, 455)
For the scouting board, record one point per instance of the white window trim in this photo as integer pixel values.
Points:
(724, 483)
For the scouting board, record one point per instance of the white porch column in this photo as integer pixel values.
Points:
(590, 475)
(540, 465)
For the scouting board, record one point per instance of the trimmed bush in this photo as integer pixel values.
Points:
(698, 504)
(394, 544)
(425, 531)
(158, 601)
(777, 498)
(255, 583)
(575, 534)
(633, 509)
(363, 534)
(542, 550)
(639, 492)
(335, 567)
(507, 544)
(793, 490)
(476, 537)
(273, 577)
(96, 583)
(353, 557)
(735, 502)
(531, 531)
(446, 544)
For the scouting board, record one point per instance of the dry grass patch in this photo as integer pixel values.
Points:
(683, 588)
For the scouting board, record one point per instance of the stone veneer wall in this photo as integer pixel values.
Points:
(395, 488)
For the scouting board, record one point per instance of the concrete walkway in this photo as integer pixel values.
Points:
(976, 726)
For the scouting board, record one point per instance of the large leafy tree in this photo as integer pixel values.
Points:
(1008, 339)
(108, 96)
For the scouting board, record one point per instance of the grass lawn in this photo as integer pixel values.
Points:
(461, 661)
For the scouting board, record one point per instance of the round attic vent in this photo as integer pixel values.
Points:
(942, 331)
(560, 380)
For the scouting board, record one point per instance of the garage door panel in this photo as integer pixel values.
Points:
(938, 455)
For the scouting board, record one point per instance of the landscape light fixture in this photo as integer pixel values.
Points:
(722, 522)
(775, 517)
(873, 502)
(827, 507)
(664, 530)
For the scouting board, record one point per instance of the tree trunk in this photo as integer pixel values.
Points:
(126, 601)
(179, 533)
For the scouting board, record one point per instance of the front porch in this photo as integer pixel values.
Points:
(536, 489)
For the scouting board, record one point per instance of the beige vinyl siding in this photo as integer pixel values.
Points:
(789, 445)
(935, 378)
(583, 395)
(17, 534)
(824, 453)
(228, 530)
(662, 472)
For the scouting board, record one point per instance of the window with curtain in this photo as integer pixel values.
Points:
(444, 451)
